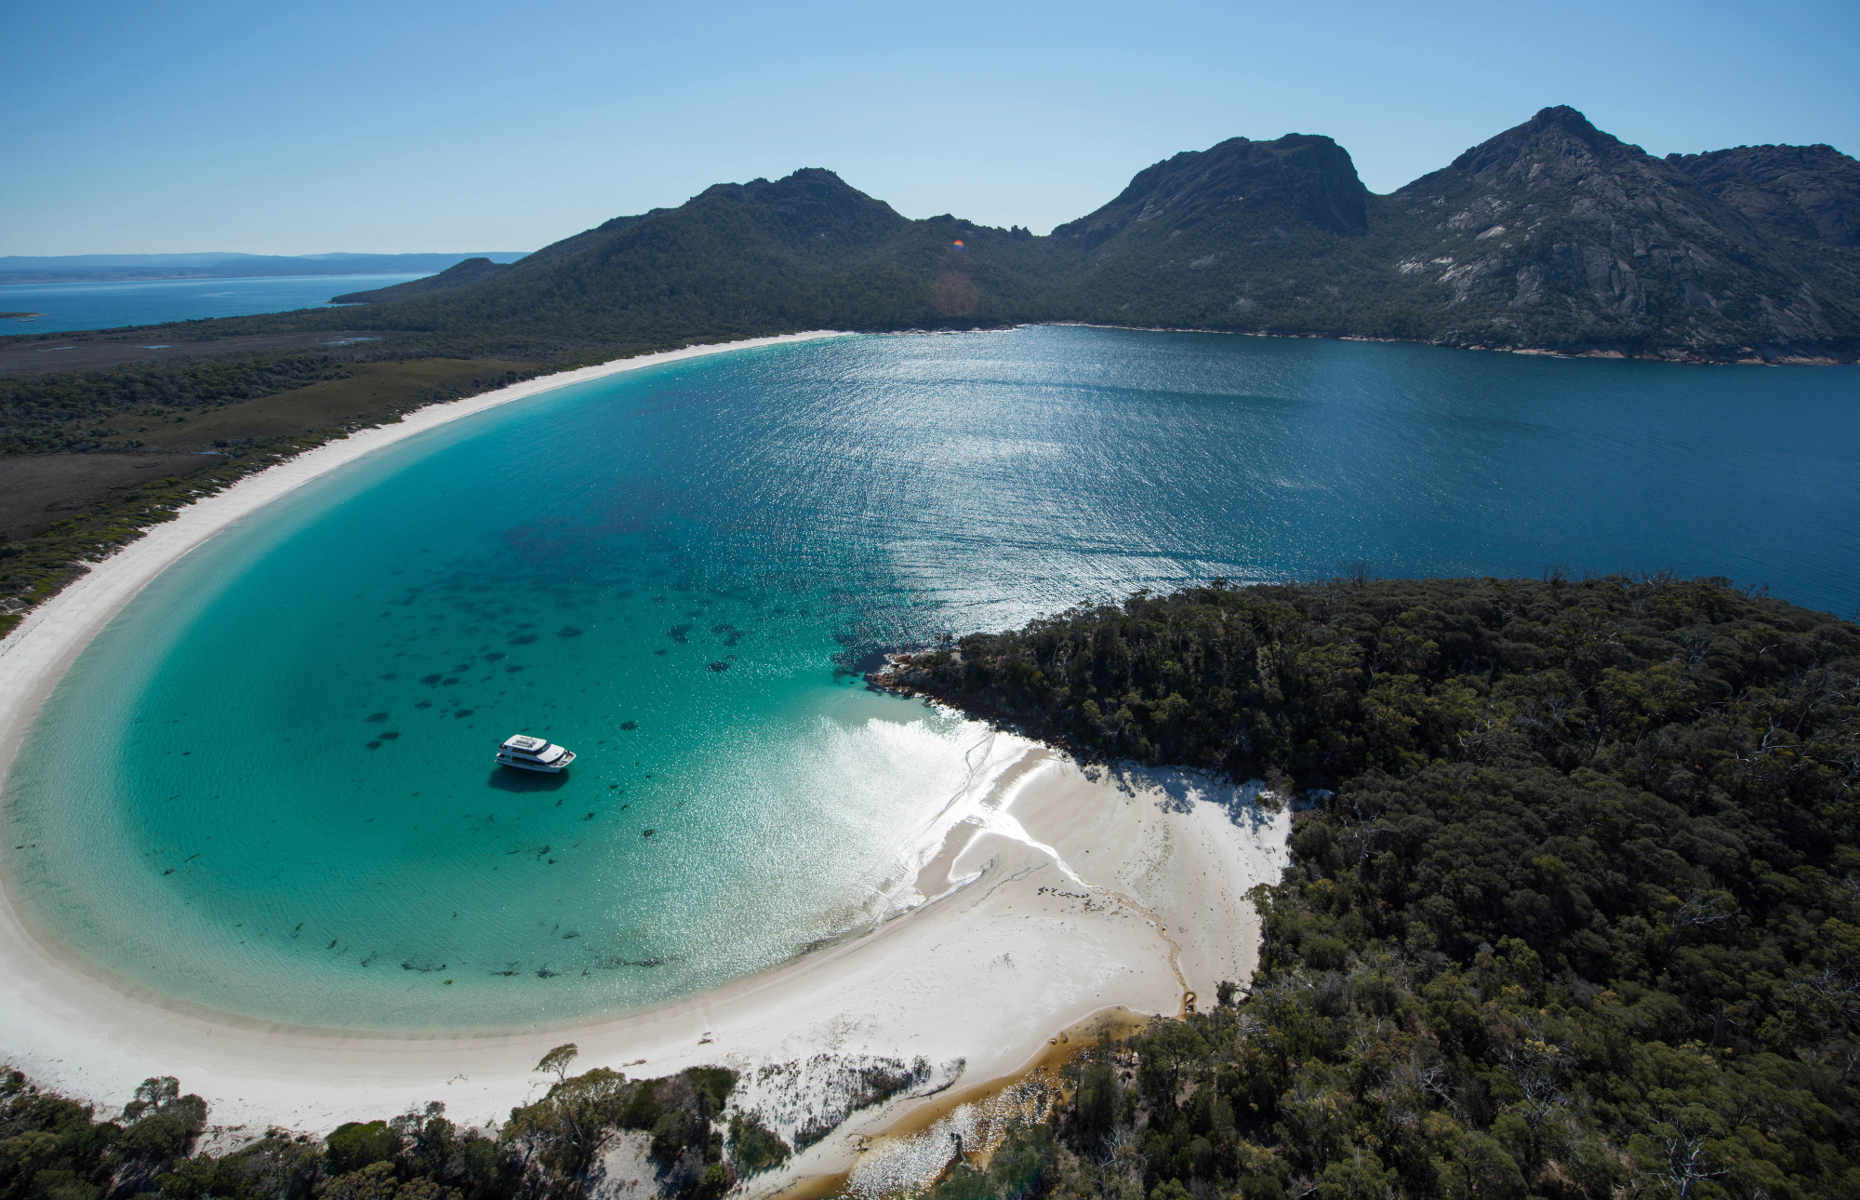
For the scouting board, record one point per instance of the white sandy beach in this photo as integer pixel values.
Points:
(1055, 894)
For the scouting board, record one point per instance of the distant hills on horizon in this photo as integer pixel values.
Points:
(85, 268)
(1552, 235)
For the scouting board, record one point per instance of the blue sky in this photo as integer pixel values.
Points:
(401, 127)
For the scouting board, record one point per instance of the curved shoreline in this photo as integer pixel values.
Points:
(1026, 920)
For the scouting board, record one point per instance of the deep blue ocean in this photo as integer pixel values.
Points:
(268, 786)
(108, 305)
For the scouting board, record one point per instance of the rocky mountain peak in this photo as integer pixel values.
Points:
(1804, 193)
(810, 203)
(1552, 234)
(1565, 118)
(1556, 139)
(1295, 180)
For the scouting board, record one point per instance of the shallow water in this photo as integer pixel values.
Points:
(268, 787)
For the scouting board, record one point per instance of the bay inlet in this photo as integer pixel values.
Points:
(266, 789)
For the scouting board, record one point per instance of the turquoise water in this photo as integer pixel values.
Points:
(110, 304)
(267, 787)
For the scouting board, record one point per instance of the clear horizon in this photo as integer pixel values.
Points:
(356, 129)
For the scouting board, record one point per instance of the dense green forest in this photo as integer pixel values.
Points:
(43, 414)
(1574, 909)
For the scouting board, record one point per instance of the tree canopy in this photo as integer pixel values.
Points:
(1575, 909)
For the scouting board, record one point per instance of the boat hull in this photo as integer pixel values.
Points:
(554, 768)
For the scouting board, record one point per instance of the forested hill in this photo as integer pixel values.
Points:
(470, 270)
(807, 251)
(1577, 913)
(1551, 235)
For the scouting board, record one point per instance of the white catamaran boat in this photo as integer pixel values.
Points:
(534, 754)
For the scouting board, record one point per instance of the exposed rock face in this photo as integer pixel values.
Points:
(1557, 234)
(1551, 235)
(1804, 199)
(1243, 235)
(1805, 194)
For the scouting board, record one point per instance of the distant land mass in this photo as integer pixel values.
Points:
(100, 268)
(472, 270)
(1551, 236)
(1568, 911)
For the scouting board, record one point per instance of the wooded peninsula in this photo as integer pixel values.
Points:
(1573, 911)
(1574, 903)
